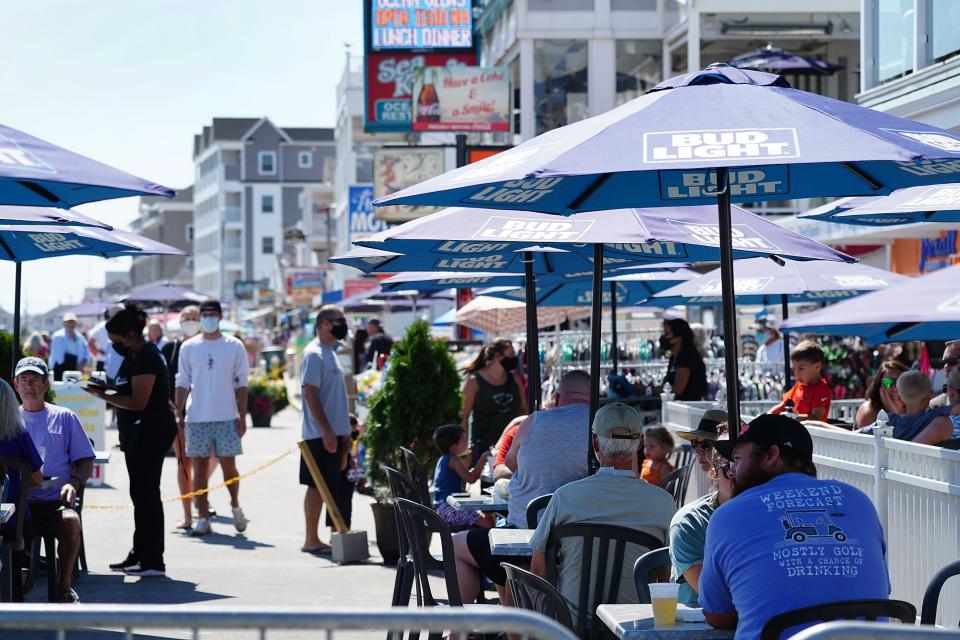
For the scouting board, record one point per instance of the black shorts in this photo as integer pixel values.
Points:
(45, 516)
(478, 542)
(329, 464)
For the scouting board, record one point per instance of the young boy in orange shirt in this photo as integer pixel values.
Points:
(811, 394)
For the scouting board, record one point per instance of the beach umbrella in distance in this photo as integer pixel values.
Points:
(26, 243)
(825, 212)
(776, 60)
(926, 307)
(760, 140)
(764, 282)
(498, 316)
(940, 203)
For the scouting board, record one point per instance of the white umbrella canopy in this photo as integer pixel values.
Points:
(496, 316)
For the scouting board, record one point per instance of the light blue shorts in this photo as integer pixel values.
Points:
(219, 438)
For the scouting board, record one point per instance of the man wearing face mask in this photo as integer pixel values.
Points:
(189, 327)
(769, 339)
(68, 349)
(326, 419)
(213, 372)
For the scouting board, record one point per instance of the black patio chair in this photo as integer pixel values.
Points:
(599, 581)
(534, 507)
(653, 566)
(419, 522)
(675, 483)
(533, 593)
(842, 610)
(12, 546)
(682, 456)
(402, 487)
(417, 473)
(931, 597)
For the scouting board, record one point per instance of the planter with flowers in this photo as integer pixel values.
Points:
(265, 397)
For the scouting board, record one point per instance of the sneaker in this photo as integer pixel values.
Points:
(69, 597)
(202, 528)
(128, 562)
(145, 572)
(239, 520)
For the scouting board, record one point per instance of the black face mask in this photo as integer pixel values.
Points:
(122, 350)
(339, 330)
(665, 343)
(510, 363)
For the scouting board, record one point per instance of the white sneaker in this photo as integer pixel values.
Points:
(202, 528)
(239, 520)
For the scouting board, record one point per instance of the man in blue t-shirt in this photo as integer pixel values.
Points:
(786, 540)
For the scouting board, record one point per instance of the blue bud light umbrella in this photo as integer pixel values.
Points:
(715, 136)
(18, 215)
(939, 203)
(36, 173)
(923, 308)
(25, 243)
(764, 282)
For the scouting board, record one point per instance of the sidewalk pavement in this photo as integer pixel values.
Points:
(261, 567)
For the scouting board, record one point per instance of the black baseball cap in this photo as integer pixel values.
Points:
(768, 429)
(211, 305)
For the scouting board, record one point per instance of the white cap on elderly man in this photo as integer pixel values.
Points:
(617, 420)
(69, 317)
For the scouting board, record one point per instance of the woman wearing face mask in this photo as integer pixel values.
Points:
(147, 428)
(492, 395)
(189, 327)
(686, 373)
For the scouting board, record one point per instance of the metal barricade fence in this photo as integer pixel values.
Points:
(64, 619)
(874, 630)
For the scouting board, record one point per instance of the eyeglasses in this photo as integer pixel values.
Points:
(706, 445)
(887, 383)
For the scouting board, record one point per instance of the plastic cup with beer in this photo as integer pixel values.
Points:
(663, 596)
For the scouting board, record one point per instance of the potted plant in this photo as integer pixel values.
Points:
(265, 397)
(420, 391)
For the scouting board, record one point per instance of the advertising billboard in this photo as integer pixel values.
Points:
(388, 85)
(396, 168)
(461, 99)
(363, 220)
(421, 24)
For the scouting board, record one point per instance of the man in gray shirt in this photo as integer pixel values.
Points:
(326, 418)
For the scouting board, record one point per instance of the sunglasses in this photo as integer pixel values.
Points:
(887, 383)
(725, 470)
(706, 445)
(949, 362)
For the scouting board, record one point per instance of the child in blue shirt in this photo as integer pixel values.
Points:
(451, 475)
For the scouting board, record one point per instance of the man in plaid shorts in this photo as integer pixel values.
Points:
(213, 372)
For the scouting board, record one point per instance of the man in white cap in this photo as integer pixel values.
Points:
(615, 495)
(68, 349)
(769, 339)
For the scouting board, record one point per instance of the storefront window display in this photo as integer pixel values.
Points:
(639, 68)
(560, 83)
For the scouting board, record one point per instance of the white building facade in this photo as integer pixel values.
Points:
(254, 183)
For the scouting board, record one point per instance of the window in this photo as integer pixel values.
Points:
(268, 244)
(944, 16)
(639, 67)
(895, 38)
(266, 204)
(560, 82)
(267, 161)
(305, 159)
(189, 233)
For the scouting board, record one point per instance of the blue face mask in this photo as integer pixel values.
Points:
(209, 324)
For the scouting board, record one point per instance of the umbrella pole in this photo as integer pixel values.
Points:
(533, 342)
(729, 300)
(595, 317)
(15, 341)
(613, 324)
(786, 344)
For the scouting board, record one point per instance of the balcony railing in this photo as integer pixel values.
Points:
(233, 214)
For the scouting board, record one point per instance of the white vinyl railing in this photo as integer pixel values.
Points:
(915, 488)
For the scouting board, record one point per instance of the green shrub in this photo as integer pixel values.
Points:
(420, 392)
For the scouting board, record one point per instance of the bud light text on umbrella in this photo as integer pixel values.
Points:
(743, 236)
(455, 246)
(722, 144)
(679, 185)
(740, 285)
(479, 263)
(930, 167)
(518, 191)
(939, 141)
(501, 228)
(55, 242)
(655, 248)
(935, 197)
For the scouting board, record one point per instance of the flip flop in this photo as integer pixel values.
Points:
(319, 551)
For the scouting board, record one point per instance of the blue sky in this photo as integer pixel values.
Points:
(129, 83)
